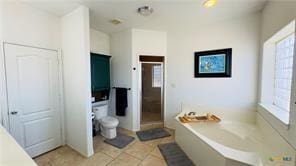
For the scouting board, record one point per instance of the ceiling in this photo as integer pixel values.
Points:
(167, 13)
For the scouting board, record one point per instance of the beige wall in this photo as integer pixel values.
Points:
(275, 16)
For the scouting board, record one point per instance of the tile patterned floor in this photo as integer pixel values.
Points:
(136, 153)
(148, 117)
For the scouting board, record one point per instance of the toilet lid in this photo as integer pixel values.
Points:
(109, 120)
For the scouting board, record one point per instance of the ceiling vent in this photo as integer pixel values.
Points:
(145, 10)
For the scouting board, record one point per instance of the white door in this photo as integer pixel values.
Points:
(33, 97)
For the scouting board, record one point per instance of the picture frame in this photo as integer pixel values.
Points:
(213, 63)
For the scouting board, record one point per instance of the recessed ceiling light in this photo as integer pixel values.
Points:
(145, 10)
(210, 3)
(115, 21)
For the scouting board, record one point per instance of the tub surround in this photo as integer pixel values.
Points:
(231, 142)
(246, 115)
(203, 151)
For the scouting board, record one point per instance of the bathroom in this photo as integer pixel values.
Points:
(102, 64)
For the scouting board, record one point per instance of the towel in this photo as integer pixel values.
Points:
(121, 101)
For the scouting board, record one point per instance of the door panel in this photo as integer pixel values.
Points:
(36, 93)
(33, 97)
(34, 128)
(151, 92)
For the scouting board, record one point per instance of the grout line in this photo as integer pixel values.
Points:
(145, 157)
(156, 155)
(110, 161)
(108, 154)
(134, 157)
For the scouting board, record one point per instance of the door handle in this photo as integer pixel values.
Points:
(13, 112)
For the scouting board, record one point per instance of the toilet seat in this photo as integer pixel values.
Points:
(109, 122)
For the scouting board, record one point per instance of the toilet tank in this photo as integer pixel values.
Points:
(100, 111)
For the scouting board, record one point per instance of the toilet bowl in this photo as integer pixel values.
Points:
(107, 124)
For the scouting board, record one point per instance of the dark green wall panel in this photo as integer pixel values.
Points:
(100, 72)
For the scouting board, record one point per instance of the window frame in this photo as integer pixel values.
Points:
(161, 80)
(265, 105)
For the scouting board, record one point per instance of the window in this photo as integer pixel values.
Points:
(156, 76)
(276, 76)
(283, 72)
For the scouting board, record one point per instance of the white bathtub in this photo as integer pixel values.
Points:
(227, 143)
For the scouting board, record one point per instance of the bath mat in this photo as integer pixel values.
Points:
(174, 155)
(151, 134)
(120, 141)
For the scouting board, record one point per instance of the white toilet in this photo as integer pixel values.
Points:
(107, 123)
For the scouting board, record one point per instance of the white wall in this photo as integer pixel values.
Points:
(275, 16)
(26, 25)
(238, 92)
(121, 73)
(23, 24)
(149, 42)
(77, 84)
(179, 45)
(2, 81)
(99, 42)
(145, 42)
(2, 78)
(126, 46)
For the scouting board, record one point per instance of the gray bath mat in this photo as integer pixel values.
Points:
(120, 141)
(174, 155)
(152, 134)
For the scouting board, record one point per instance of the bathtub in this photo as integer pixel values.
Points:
(228, 143)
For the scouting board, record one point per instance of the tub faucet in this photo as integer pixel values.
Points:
(192, 113)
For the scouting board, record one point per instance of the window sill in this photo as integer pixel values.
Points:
(281, 116)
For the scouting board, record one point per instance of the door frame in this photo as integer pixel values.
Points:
(4, 110)
(140, 90)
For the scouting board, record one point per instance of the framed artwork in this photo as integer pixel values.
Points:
(214, 63)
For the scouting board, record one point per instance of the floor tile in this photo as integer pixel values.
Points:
(167, 140)
(125, 159)
(60, 156)
(98, 159)
(129, 133)
(153, 143)
(111, 150)
(158, 125)
(153, 161)
(133, 154)
(99, 145)
(156, 153)
(146, 126)
(139, 150)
